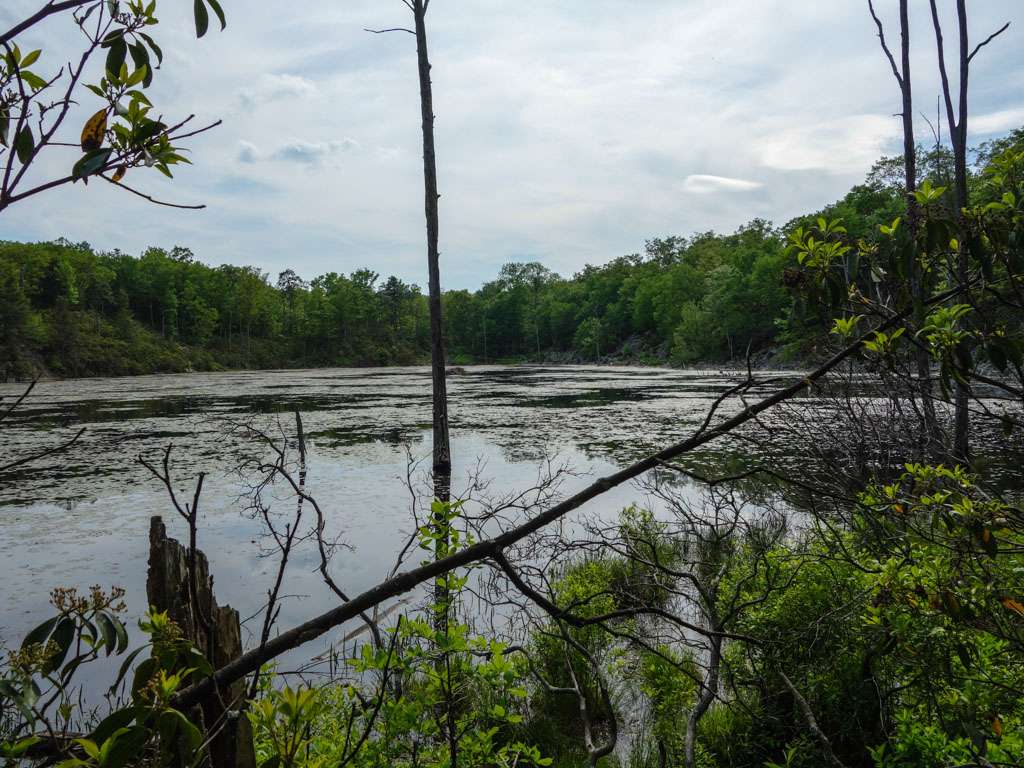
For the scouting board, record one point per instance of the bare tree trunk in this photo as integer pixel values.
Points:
(961, 442)
(812, 723)
(171, 585)
(914, 270)
(916, 273)
(442, 462)
(709, 690)
(956, 117)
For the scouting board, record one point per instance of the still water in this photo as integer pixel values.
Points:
(81, 518)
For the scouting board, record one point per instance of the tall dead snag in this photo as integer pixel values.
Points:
(914, 269)
(442, 459)
(956, 118)
(214, 629)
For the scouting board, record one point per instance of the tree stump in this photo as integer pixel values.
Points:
(216, 632)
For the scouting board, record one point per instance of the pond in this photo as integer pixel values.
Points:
(81, 517)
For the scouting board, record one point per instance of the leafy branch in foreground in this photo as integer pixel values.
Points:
(39, 682)
(36, 99)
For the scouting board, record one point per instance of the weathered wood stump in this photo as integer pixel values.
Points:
(214, 629)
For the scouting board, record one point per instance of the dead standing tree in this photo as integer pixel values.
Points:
(956, 117)
(442, 459)
(915, 273)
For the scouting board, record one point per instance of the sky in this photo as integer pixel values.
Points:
(568, 131)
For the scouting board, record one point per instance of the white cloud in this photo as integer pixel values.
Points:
(312, 152)
(705, 184)
(247, 152)
(277, 87)
(996, 122)
(840, 145)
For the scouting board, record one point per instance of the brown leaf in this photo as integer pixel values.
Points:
(119, 173)
(94, 130)
(1010, 604)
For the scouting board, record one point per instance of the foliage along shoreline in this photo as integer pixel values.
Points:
(68, 311)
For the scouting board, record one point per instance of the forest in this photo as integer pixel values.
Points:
(706, 298)
(819, 567)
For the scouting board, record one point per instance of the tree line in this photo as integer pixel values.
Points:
(72, 310)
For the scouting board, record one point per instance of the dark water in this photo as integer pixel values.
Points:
(81, 517)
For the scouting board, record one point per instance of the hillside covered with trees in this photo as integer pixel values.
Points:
(73, 311)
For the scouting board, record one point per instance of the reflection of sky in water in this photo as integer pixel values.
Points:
(82, 518)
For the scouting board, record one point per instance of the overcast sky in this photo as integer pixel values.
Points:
(569, 131)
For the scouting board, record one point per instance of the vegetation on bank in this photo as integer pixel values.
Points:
(69, 310)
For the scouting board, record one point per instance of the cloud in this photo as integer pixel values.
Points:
(247, 152)
(312, 152)
(277, 87)
(996, 122)
(295, 151)
(844, 145)
(705, 184)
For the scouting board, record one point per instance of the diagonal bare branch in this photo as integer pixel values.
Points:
(885, 45)
(988, 40)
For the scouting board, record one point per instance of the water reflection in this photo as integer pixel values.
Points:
(82, 517)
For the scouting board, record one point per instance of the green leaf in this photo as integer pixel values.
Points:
(24, 145)
(125, 666)
(215, 5)
(123, 748)
(115, 58)
(8, 691)
(30, 59)
(202, 18)
(121, 632)
(111, 37)
(153, 47)
(107, 631)
(141, 97)
(71, 667)
(63, 636)
(34, 81)
(149, 130)
(138, 76)
(176, 722)
(143, 673)
(140, 56)
(91, 162)
(89, 746)
(19, 748)
(39, 635)
(122, 718)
